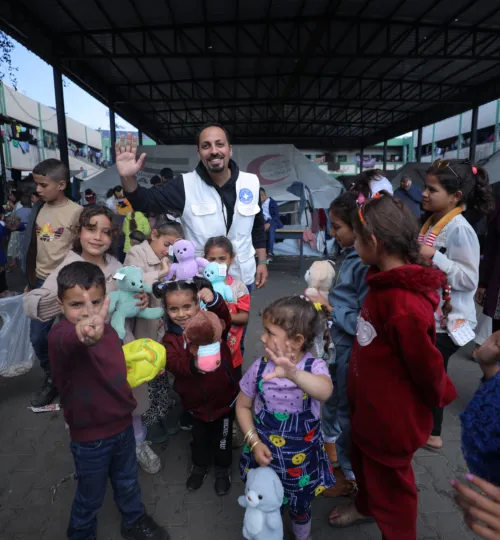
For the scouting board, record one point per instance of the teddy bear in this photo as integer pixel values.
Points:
(263, 499)
(123, 304)
(319, 279)
(202, 334)
(188, 265)
(216, 273)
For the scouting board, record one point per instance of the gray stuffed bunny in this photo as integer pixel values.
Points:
(263, 499)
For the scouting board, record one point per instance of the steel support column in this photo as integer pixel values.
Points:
(361, 157)
(384, 158)
(473, 135)
(419, 144)
(112, 134)
(139, 138)
(62, 135)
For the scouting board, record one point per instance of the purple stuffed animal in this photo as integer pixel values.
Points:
(188, 265)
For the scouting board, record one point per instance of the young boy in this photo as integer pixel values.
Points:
(47, 241)
(88, 368)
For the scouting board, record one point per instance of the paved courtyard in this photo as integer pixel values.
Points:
(34, 456)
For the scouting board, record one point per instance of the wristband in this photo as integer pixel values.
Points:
(254, 445)
(266, 262)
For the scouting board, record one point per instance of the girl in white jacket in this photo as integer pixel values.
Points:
(454, 189)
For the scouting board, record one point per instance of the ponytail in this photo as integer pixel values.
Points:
(133, 223)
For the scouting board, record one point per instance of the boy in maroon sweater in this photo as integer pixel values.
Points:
(88, 369)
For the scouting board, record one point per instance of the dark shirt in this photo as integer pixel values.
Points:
(92, 381)
(412, 198)
(171, 197)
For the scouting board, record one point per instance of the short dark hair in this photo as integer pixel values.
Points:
(80, 274)
(54, 169)
(117, 189)
(167, 173)
(263, 190)
(155, 180)
(209, 125)
(296, 316)
(161, 289)
(220, 242)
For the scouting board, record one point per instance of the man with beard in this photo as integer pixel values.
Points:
(216, 199)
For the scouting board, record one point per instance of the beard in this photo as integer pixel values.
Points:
(216, 168)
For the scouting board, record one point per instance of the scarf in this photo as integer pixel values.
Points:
(440, 225)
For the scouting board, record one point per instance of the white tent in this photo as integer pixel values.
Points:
(277, 166)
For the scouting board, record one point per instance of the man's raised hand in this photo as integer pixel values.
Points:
(127, 163)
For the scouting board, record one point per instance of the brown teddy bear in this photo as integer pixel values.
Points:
(203, 334)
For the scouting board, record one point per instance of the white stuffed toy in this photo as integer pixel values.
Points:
(263, 499)
(319, 279)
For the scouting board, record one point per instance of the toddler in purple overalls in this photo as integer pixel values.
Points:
(278, 409)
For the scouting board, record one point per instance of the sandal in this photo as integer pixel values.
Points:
(434, 443)
(347, 517)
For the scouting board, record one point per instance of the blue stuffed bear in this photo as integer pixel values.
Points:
(123, 304)
(216, 273)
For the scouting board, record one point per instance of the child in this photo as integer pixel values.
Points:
(396, 374)
(87, 361)
(208, 397)
(480, 430)
(13, 223)
(152, 257)
(93, 243)
(136, 238)
(134, 221)
(449, 241)
(278, 408)
(47, 242)
(220, 250)
(23, 213)
(344, 304)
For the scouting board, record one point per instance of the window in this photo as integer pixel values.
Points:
(341, 159)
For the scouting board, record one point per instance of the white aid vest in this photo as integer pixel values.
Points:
(204, 217)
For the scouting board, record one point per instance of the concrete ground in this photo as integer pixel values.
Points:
(34, 456)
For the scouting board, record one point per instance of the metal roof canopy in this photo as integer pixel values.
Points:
(315, 73)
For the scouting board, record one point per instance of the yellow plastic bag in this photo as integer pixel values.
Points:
(145, 359)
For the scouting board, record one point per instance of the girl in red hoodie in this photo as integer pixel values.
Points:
(207, 397)
(396, 374)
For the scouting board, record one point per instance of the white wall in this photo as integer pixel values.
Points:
(450, 127)
(25, 110)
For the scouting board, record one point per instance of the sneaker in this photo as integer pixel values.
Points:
(145, 529)
(156, 434)
(148, 461)
(222, 481)
(196, 478)
(46, 395)
(186, 423)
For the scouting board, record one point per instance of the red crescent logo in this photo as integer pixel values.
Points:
(255, 165)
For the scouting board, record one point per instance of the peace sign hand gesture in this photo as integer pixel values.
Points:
(284, 366)
(91, 328)
(127, 163)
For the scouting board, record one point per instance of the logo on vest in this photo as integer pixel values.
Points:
(245, 196)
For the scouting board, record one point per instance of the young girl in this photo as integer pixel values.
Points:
(134, 221)
(93, 243)
(152, 257)
(369, 183)
(344, 304)
(278, 408)
(448, 240)
(220, 250)
(396, 374)
(207, 397)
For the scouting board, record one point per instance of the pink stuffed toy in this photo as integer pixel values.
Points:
(188, 265)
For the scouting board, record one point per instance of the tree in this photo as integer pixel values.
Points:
(6, 67)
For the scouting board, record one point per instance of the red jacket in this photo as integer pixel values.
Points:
(396, 374)
(207, 396)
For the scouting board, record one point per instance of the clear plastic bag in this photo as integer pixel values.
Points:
(16, 353)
